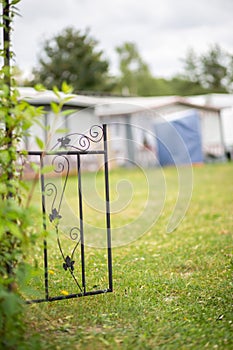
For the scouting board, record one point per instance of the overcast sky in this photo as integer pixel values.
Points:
(162, 29)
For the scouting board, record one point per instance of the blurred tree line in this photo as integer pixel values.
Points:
(72, 56)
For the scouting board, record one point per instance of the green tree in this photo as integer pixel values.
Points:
(212, 71)
(178, 85)
(135, 76)
(72, 56)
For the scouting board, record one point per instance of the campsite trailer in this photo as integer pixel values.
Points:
(134, 125)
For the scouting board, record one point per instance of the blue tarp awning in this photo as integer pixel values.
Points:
(179, 140)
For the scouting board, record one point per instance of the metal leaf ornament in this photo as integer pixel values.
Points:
(54, 215)
(64, 141)
(69, 263)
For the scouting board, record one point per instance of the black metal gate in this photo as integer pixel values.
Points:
(64, 157)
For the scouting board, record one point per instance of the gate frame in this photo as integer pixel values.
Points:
(79, 153)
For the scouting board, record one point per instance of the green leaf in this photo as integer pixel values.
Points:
(6, 89)
(55, 107)
(47, 169)
(14, 2)
(67, 99)
(40, 143)
(35, 167)
(56, 92)
(62, 131)
(67, 89)
(39, 87)
(2, 231)
(10, 304)
(14, 230)
(69, 111)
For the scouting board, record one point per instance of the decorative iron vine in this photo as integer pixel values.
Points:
(80, 142)
(55, 216)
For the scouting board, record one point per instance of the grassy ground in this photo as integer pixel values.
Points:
(171, 290)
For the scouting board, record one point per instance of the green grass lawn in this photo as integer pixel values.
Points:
(171, 290)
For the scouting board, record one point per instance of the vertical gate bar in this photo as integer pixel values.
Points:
(44, 227)
(108, 221)
(81, 222)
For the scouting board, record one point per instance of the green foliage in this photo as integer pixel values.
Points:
(135, 78)
(213, 70)
(72, 56)
(184, 87)
(17, 230)
(11, 325)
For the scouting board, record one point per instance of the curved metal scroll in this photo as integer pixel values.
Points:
(55, 215)
(80, 142)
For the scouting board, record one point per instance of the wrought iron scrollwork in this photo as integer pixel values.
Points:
(62, 166)
(78, 141)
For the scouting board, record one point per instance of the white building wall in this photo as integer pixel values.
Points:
(212, 142)
(82, 121)
(132, 138)
(227, 123)
(117, 136)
